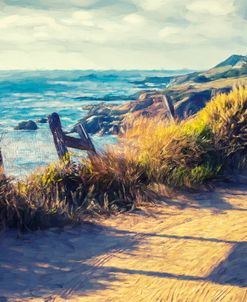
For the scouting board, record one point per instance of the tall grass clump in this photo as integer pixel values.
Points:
(178, 154)
(14, 210)
(8, 211)
(226, 116)
(99, 184)
(18, 211)
(197, 149)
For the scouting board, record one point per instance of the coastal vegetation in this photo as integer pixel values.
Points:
(179, 154)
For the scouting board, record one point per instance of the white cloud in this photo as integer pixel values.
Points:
(212, 7)
(134, 19)
(121, 34)
(168, 31)
(150, 5)
(81, 17)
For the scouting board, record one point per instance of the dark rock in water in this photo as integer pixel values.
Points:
(104, 111)
(26, 125)
(87, 107)
(98, 109)
(94, 123)
(42, 120)
(101, 117)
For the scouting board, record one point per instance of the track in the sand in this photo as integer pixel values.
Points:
(194, 253)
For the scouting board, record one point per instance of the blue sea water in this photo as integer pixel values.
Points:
(29, 95)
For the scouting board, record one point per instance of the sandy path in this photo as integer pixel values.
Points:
(194, 252)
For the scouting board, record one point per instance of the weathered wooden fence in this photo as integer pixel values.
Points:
(62, 141)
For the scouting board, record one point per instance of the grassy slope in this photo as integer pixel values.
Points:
(180, 154)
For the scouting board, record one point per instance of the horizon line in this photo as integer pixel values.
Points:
(103, 69)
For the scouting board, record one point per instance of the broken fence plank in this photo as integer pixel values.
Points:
(85, 137)
(76, 143)
(63, 141)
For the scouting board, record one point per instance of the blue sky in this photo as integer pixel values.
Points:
(120, 34)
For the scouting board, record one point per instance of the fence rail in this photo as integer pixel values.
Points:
(63, 142)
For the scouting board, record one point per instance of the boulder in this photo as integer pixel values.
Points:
(26, 125)
(104, 111)
(93, 123)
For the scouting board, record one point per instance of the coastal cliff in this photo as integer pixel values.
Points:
(188, 94)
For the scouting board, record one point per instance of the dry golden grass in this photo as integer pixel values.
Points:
(192, 150)
(179, 154)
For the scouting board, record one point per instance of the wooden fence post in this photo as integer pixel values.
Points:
(1, 164)
(169, 106)
(58, 135)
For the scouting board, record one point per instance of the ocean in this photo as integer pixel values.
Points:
(30, 95)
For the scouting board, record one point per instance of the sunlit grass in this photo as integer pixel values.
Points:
(178, 154)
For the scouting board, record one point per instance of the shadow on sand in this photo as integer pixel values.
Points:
(54, 262)
(45, 262)
(50, 262)
(203, 199)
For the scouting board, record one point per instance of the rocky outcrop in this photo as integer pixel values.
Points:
(26, 125)
(187, 100)
(103, 119)
(109, 119)
(95, 123)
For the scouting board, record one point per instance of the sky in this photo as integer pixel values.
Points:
(120, 34)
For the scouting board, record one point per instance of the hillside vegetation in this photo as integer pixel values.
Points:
(178, 154)
(234, 66)
(188, 93)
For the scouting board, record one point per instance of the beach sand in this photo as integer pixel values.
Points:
(192, 249)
